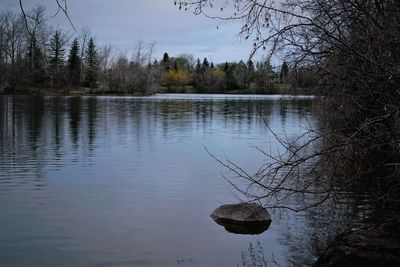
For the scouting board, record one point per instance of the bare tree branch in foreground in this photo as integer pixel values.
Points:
(354, 48)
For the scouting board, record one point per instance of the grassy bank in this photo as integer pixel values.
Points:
(280, 89)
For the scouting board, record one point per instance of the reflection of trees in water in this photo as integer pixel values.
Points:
(308, 233)
(74, 105)
(23, 131)
(255, 257)
(92, 116)
(24, 117)
(35, 132)
(56, 109)
(39, 130)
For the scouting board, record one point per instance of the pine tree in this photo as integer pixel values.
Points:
(166, 62)
(250, 66)
(242, 75)
(56, 52)
(198, 66)
(56, 60)
(165, 58)
(284, 72)
(74, 64)
(36, 62)
(206, 65)
(250, 72)
(91, 65)
(226, 67)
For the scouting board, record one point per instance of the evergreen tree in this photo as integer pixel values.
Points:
(250, 66)
(36, 62)
(264, 76)
(284, 72)
(226, 67)
(56, 60)
(56, 52)
(176, 66)
(91, 65)
(205, 65)
(166, 62)
(198, 66)
(250, 72)
(74, 64)
(165, 58)
(241, 75)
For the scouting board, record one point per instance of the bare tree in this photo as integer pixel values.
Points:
(106, 59)
(139, 57)
(62, 6)
(84, 37)
(2, 49)
(354, 47)
(13, 42)
(150, 53)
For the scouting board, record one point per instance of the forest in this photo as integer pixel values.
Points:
(36, 58)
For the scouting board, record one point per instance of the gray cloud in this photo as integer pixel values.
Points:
(123, 22)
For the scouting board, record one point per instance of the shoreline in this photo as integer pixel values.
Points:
(47, 93)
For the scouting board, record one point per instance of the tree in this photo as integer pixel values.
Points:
(74, 64)
(182, 62)
(37, 38)
(120, 74)
(106, 59)
(242, 75)
(61, 7)
(264, 77)
(284, 72)
(250, 71)
(176, 79)
(140, 57)
(166, 62)
(198, 66)
(351, 44)
(36, 62)
(56, 59)
(134, 76)
(84, 36)
(237, 76)
(165, 59)
(205, 64)
(175, 66)
(91, 65)
(2, 52)
(218, 80)
(13, 44)
(57, 50)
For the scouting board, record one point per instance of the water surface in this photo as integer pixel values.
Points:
(125, 181)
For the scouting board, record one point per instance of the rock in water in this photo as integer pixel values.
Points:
(244, 218)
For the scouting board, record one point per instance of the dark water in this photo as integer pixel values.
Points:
(113, 181)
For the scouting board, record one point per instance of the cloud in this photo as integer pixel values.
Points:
(123, 22)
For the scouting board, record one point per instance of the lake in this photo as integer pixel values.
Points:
(127, 181)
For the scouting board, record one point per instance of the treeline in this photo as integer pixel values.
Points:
(35, 58)
(205, 77)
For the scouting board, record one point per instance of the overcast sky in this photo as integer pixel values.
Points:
(123, 22)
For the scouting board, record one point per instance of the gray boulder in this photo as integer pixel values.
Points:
(244, 218)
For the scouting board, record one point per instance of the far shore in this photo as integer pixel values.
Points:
(83, 91)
